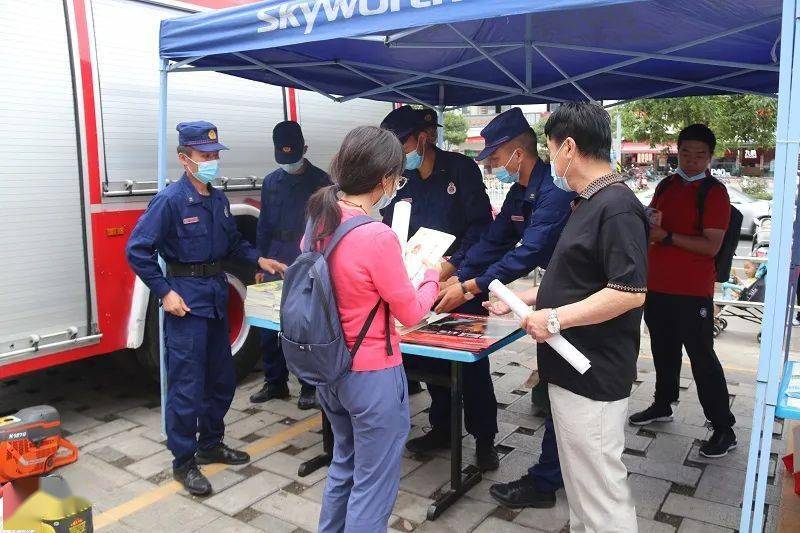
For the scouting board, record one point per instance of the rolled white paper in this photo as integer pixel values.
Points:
(400, 221)
(561, 345)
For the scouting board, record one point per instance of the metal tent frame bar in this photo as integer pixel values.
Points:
(776, 325)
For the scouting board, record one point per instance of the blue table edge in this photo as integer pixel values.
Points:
(782, 408)
(418, 349)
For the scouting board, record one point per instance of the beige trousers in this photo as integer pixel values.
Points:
(591, 439)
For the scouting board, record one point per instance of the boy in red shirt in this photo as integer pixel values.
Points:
(679, 310)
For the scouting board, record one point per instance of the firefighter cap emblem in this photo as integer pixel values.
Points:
(287, 149)
(212, 135)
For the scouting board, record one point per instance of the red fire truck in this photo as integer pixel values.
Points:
(78, 114)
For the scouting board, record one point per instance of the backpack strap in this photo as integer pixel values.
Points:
(702, 193)
(363, 333)
(344, 228)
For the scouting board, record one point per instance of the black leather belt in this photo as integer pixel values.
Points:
(194, 270)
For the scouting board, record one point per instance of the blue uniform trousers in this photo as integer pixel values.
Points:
(201, 380)
(368, 412)
(480, 403)
(546, 473)
(275, 370)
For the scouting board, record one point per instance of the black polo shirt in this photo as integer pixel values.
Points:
(604, 244)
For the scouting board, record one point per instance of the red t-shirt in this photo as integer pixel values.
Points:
(673, 270)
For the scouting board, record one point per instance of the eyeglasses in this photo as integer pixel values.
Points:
(402, 182)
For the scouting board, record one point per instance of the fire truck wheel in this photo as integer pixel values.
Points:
(245, 341)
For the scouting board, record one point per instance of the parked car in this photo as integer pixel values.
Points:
(753, 209)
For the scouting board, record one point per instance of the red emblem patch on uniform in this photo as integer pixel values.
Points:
(517, 218)
(191, 220)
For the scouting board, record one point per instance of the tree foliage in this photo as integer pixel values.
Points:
(455, 128)
(737, 120)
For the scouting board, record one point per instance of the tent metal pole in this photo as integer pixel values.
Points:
(528, 51)
(564, 74)
(496, 98)
(440, 117)
(379, 82)
(285, 75)
(685, 86)
(418, 77)
(188, 61)
(489, 58)
(162, 182)
(776, 312)
(685, 83)
(405, 33)
(668, 50)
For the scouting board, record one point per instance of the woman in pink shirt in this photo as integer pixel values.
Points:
(368, 407)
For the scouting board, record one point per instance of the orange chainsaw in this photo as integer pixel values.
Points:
(31, 444)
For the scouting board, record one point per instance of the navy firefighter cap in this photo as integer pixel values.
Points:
(199, 135)
(403, 121)
(289, 142)
(502, 129)
(429, 117)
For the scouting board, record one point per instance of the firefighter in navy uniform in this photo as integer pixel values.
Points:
(191, 226)
(447, 193)
(281, 224)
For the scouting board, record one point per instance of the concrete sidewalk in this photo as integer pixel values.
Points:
(125, 471)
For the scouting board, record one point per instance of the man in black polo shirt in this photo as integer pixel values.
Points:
(592, 294)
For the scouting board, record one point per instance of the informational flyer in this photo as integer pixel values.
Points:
(425, 249)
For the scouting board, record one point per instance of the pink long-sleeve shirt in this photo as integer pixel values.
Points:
(368, 265)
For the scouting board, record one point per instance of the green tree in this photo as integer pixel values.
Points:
(455, 128)
(736, 120)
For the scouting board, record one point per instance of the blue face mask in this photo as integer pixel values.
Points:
(690, 179)
(206, 170)
(504, 176)
(292, 168)
(414, 159)
(385, 200)
(560, 181)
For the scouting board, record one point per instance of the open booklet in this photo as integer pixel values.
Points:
(469, 333)
(425, 248)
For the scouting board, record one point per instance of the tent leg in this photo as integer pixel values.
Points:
(162, 181)
(776, 310)
(440, 116)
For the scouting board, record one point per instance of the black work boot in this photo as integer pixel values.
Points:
(308, 398)
(721, 442)
(486, 455)
(432, 440)
(522, 493)
(222, 454)
(192, 479)
(270, 391)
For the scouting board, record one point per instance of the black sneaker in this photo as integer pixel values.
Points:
(721, 442)
(522, 493)
(432, 440)
(192, 479)
(414, 387)
(487, 455)
(271, 391)
(654, 413)
(222, 454)
(308, 398)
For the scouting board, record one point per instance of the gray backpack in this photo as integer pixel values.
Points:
(311, 333)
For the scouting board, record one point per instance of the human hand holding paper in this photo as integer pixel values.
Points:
(561, 345)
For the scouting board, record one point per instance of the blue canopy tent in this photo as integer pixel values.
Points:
(453, 53)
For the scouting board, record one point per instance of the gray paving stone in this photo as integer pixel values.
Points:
(652, 526)
(220, 481)
(496, 525)
(521, 420)
(721, 484)
(513, 466)
(270, 524)
(693, 526)
(408, 465)
(287, 465)
(528, 443)
(251, 424)
(463, 516)
(244, 494)
(682, 475)
(287, 408)
(150, 466)
(144, 417)
(226, 524)
(95, 479)
(108, 454)
(425, 480)
(292, 509)
(136, 447)
(553, 519)
(649, 493)
(735, 459)
(523, 406)
(512, 380)
(504, 429)
(677, 428)
(669, 448)
(315, 492)
(637, 443)
(173, 513)
(100, 432)
(233, 415)
(702, 510)
(75, 422)
(411, 507)
(480, 491)
(103, 406)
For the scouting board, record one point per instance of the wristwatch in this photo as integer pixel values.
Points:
(467, 295)
(666, 241)
(553, 325)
